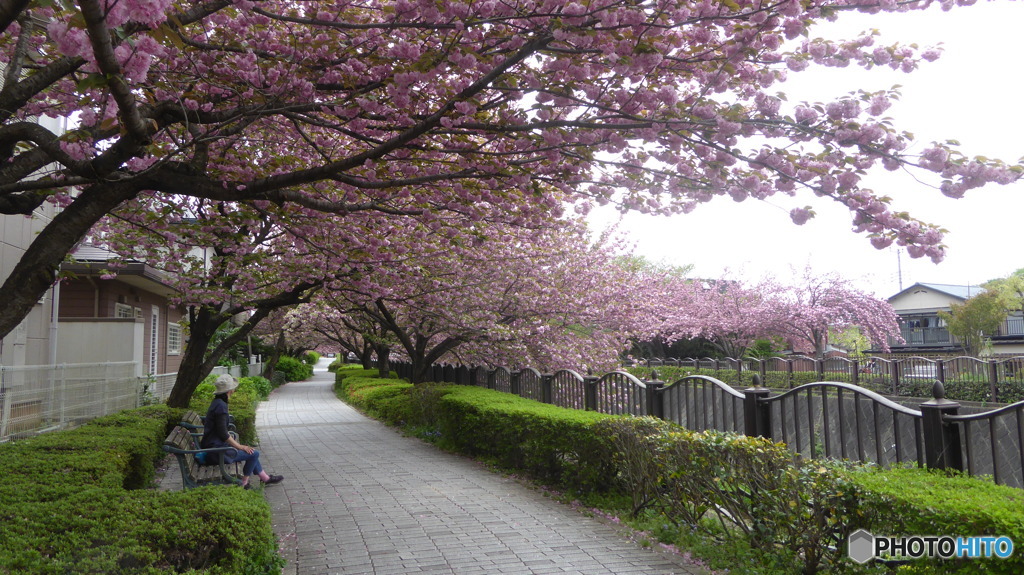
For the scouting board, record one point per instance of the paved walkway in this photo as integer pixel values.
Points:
(358, 497)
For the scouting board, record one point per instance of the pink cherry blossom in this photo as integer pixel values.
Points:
(511, 113)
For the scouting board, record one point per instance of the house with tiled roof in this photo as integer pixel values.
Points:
(112, 318)
(925, 332)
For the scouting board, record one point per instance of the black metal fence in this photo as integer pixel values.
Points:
(819, 419)
(967, 378)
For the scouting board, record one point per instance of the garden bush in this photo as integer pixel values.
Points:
(258, 387)
(311, 358)
(356, 372)
(734, 487)
(911, 501)
(293, 369)
(546, 441)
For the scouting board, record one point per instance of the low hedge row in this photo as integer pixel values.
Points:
(915, 501)
(730, 486)
(75, 502)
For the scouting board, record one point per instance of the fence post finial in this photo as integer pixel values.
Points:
(756, 413)
(942, 447)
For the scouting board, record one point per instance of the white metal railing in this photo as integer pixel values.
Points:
(39, 398)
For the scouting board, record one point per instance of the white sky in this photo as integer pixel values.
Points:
(973, 94)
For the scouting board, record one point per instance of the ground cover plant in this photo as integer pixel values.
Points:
(740, 503)
(77, 502)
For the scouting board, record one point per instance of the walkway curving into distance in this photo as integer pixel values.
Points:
(358, 497)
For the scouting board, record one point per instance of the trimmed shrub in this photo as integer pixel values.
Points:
(549, 442)
(293, 369)
(910, 501)
(311, 358)
(258, 387)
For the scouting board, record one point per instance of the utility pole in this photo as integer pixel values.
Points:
(899, 267)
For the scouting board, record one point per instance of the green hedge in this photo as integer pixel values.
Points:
(549, 442)
(294, 369)
(921, 502)
(70, 503)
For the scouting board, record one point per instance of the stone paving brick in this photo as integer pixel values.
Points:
(360, 498)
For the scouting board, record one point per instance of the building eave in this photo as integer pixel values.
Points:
(135, 274)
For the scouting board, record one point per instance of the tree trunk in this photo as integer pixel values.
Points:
(383, 361)
(268, 370)
(199, 360)
(195, 365)
(419, 370)
(366, 356)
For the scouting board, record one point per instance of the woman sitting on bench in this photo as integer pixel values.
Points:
(215, 434)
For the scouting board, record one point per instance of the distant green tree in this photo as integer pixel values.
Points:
(765, 348)
(1009, 289)
(975, 319)
(851, 339)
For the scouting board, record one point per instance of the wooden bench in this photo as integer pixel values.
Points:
(183, 445)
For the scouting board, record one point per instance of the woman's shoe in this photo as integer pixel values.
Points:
(273, 479)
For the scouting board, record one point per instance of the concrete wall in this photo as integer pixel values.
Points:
(91, 297)
(94, 340)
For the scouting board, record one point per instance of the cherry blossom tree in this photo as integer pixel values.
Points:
(229, 263)
(334, 319)
(726, 312)
(494, 110)
(288, 333)
(500, 294)
(807, 310)
(734, 314)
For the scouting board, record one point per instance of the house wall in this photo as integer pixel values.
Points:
(93, 340)
(1015, 349)
(29, 343)
(922, 299)
(91, 297)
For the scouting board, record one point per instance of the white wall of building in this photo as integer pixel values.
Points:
(106, 340)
